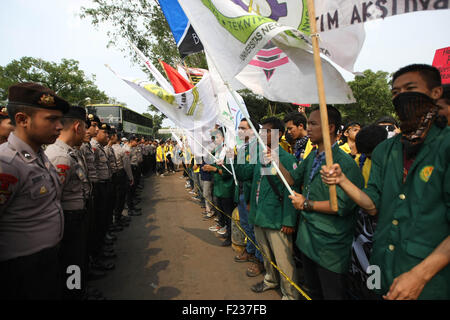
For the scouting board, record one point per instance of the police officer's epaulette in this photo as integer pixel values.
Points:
(7, 155)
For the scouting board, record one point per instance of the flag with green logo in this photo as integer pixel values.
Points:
(270, 58)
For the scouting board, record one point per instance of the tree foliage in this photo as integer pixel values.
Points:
(65, 78)
(373, 98)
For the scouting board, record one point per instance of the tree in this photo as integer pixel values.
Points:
(157, 122)
(373, 98)
(144, 24)
(66, 79)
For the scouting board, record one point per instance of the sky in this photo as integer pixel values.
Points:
(52, 30)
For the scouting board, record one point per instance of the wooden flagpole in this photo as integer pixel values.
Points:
(322, 100)
(187, 72)
(165, 72)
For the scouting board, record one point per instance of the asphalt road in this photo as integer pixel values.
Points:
(169, 253)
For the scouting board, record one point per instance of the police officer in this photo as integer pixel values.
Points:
(130, 148)
(124, 178)
(104, 175)
(112, 191)
(71, 174)
(5, 126)
(31, 216)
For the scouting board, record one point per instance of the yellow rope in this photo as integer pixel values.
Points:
(257, 247)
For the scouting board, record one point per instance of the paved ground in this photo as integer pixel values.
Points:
(169, 253)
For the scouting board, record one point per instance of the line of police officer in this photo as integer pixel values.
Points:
(60, 209)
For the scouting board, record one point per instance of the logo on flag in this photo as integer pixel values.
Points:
(269, 58)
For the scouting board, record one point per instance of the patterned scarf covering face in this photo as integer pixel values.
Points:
(417, 113)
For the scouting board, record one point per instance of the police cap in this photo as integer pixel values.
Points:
(34, 95)
(76, 112)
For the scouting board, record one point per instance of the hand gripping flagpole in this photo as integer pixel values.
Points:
(322, 101)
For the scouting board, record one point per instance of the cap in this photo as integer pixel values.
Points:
(37, 96)
(76, 112)
(3, 113)
(94, 118)
(104, 126)
(124, 139)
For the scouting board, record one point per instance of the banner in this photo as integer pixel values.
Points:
(287, 53)
(342, 46)
(185, 36)
(442, 62)
(337, 14)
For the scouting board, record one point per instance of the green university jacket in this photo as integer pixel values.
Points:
(269, 212)
(413, 218)
(327, 238)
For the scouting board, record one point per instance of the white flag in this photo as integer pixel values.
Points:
(193, 110)
(233, 37)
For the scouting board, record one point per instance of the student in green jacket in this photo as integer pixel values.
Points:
(324, 236)
(223, 189)
(272, 214)
(409, 189)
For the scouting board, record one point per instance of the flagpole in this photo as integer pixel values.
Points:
(187, 72)
(231, 163)
(322, 100)
(165, 72)
(283, 179)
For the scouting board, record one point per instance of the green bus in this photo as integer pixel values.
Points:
(123, 119)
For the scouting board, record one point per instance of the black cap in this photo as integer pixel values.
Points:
(93, 118)
(3, 113)
(37, 96)
(104, 126)
(76, 112)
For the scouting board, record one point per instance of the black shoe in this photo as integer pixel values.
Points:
(108, 255)
(102, 265)
(108, 242)
(226, 243)
(110, 236)
(261, 287)
(115, 228)
(107, 248)
(134, 213)
(136, 209)
(95, 274)
(125, 218)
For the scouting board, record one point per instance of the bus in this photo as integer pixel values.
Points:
(123, 119)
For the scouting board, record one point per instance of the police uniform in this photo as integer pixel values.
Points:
(124, 175)
(113, 186)
(134, 168)
(101, 194)
(71, 175)
(31, 216)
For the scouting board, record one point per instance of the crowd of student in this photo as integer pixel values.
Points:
(390, 236)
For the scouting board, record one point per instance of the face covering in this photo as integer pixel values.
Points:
(417, 113)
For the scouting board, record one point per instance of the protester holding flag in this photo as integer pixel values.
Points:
(324, 236)
(223, 189)
(411, 241)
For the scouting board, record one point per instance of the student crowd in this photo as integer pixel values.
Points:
(390, 236)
